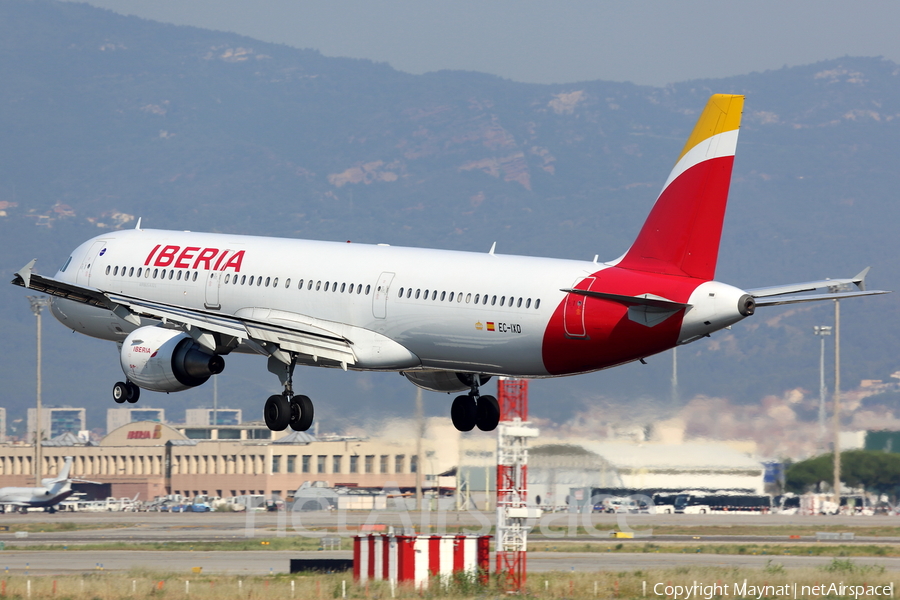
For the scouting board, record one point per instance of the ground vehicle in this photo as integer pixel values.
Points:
(664, 503)
(621, 504)
(703, 503)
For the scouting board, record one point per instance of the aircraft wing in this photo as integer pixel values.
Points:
(794, 293)
(272, 335)
(28, 279)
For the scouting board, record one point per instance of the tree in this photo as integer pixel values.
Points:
(802, 476)
(875, 471)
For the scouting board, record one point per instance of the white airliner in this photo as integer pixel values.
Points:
(176, 302)
(53, 491)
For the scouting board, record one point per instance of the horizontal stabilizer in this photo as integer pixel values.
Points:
(809, 286)
(648, 300)
(778, 300)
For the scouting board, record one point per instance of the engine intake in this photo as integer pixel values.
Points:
(162, 360)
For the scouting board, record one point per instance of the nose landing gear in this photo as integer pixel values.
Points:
(474, 410)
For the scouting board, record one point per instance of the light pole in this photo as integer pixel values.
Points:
(675, 376)
(837, 404)
(37, 305)
(420, 429)
(822, 331)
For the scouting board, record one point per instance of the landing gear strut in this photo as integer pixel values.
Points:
(286, 409)
(126, 392)
(475, 410)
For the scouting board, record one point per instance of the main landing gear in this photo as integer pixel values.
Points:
(475, 410)
(286, 409)
(126, 392)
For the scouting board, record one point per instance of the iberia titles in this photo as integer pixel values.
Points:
(195, 257)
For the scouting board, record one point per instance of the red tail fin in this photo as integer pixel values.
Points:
(681, 235)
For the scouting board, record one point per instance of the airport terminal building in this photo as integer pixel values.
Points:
(153, 459)
(149, 459)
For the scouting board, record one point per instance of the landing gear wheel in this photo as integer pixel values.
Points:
(134, 392)
(277, 413)
(302, 413)
(120, 392)
(464, 413)
(488, 414)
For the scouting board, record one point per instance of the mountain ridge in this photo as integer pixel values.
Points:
(109, 118)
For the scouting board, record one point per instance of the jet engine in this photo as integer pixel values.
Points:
(445, 381)
(163, 360)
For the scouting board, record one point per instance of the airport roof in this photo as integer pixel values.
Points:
(690, 455)
(66, 439)
(297, 437)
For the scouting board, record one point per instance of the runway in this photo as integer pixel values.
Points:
(222, 527)
(263, 562)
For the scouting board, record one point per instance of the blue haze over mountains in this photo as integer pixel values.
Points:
(106, 118)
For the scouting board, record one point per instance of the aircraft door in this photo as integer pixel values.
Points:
(573, 312)
(212, 290)
(380, 297)
(84, 271)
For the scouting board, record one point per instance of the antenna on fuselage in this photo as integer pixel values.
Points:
(138, 224)
(493, 247)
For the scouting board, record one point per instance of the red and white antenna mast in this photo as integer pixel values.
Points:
(512, 482)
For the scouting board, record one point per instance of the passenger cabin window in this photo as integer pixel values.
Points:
(287, 283)
(368, 287)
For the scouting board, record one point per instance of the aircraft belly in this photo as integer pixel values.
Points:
(465, 341)
(90, 320)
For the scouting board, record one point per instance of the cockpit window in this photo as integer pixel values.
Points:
(66, 266)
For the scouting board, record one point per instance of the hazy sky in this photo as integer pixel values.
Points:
(648, 42)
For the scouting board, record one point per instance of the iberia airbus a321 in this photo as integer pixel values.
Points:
(176, 302)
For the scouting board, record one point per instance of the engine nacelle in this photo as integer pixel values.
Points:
(444, 381)
(162, 360)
